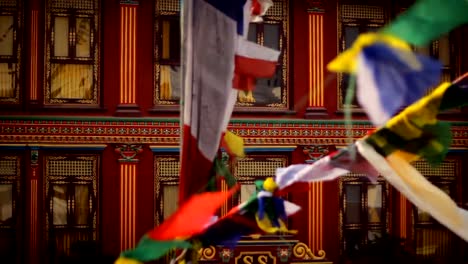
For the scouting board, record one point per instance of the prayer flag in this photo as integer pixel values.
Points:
(214, 49)
(427, 20)
(389, 78)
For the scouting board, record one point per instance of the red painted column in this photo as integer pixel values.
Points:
(311, 221)
(316, 81)
(128, 60)
(404, 213)
(316, 200)
(128, 164)
(33, 22)
(33, 191)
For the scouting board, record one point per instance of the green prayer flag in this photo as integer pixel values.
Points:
(433, 145)
(427, 20)
(149, 249)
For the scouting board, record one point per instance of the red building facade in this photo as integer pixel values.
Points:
(89, 138)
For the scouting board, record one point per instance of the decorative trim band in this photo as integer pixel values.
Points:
(164, 132)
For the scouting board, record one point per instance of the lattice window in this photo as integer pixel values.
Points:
(72, 52)
(444, 49)
(167, 52)
(354, 19)
(363, 212)
(273, 32)
(255, 167)
(246, 171)
(71, 196)
(356, 12)
(11, 31)
(166, 186)
(10, 207)
(73, 4)
(167, 7)
(431, 239)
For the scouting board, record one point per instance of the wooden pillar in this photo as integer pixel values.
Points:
(316, 83)
(128, 42)
(34, 71)
(316, 217)
(33, 203)
(315, 200)
(128, 180)
(403, 224)
(33, 92)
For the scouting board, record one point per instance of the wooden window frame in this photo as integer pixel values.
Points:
(94, 216)
(16, 57)
(94, 99)
(171, 11)
(364, 226)
(436, 230)
(16, 226)
(362, 24)
(162, 180)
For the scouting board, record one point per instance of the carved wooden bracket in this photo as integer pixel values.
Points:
(128, 152)
(316, 152)
(315, 6)
(34, 162)
(302, 251)
(34, 157)
(128, 2)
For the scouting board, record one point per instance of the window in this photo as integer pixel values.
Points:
(359, 16)
(246, 171)
(273, 32)
(443, 49)
(71, 197)
(10, 51)
(72, 52)
(431, 239)
(167, 52)
(10, 208)
(354, 19)
(254, 167)
(363, 212)
(166, 186)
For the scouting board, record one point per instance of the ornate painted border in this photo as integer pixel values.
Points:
(166, 131)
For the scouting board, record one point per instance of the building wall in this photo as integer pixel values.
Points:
(127, 135)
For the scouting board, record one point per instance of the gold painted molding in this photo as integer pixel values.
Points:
(302, 251)
(248, 257)
(207, 253)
